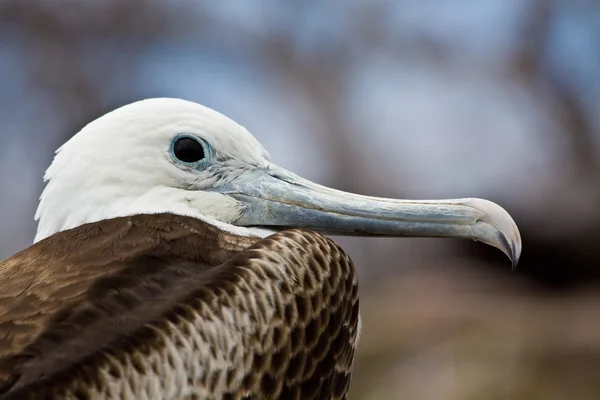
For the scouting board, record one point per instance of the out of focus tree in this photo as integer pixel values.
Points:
(406, 99)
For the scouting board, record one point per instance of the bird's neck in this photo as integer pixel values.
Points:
(63, 207)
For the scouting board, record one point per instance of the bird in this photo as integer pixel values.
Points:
(174, 259)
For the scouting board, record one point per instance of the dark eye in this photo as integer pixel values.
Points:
(188, 150)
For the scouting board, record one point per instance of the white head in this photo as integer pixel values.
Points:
(175, 156)
(122, 164)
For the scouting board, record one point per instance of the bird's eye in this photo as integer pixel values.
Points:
(188, 150)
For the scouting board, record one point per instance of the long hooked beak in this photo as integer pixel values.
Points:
(275, 198)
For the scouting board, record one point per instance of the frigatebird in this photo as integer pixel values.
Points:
(174, 260)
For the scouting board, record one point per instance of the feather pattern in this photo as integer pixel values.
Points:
(174, 308)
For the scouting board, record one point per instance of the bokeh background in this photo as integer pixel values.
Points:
(409, 98)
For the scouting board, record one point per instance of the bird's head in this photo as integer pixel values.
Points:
(170, 155)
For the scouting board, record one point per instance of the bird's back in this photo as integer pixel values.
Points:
(189, 313)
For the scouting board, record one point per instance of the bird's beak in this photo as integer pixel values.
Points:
(277, 199)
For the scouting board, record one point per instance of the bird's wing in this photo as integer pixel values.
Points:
(278, 320)
(48, 281)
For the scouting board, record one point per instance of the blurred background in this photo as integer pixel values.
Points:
(409, 98)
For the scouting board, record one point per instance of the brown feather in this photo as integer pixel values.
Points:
(171, 307)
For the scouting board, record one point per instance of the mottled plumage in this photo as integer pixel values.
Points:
(154, 314)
